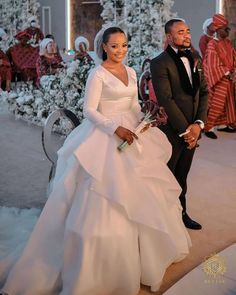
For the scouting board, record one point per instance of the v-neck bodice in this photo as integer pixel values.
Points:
(114, 89)
(106, 96)
(127, 73)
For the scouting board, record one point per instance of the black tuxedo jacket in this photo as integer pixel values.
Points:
(184, 102)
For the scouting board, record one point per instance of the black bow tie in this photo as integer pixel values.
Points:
(184, 53)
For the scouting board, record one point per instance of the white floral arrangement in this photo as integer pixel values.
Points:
(62, 90)
(143, 21)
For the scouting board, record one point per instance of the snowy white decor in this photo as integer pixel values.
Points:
(63, 90)
(143, 21)
(14, 16)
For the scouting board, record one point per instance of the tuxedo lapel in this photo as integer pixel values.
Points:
(189, 88)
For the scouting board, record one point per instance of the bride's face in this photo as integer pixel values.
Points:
(116, 47)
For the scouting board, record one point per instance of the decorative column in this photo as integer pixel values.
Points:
(85, 19)
(229, 10)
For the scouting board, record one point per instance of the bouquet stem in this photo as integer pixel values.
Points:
(137, 130)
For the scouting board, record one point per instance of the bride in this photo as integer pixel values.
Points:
(113, 218)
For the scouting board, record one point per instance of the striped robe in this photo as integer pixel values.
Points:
(220, 58)
(203, 43)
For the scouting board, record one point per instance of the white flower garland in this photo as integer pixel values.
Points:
(143, 20)
(14, 18)
(63, 90)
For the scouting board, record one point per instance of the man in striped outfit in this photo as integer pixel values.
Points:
(220, 69)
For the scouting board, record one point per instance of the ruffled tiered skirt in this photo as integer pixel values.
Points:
(112, 220)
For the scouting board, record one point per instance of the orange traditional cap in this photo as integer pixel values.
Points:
(23, 35)
(219, 21)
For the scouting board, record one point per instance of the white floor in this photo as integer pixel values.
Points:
(201, 280)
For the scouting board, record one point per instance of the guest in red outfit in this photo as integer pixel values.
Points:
(23, 57)
(208, 33)
(49, 62)
(220, 72)
(5, 71)
(81, 49)
(5, 66)
(35, 33)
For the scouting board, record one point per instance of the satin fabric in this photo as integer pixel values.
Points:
(113, 219)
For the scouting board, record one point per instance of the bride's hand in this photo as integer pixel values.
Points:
(126, 134)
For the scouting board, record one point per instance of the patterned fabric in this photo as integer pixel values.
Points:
(47, 66)
(83, 56)
(152, 95)
(5, 68)
(35, 34)
(219, 21)
(219, 60)
(23, 58)
(203, 44)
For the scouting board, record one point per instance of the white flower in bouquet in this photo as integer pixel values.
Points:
(65, 82)
(53, 92)
(20, 100)
(40, 114)
(72, 68)
(12, 95)
(29, 99)
(38, 101)
(28, 110)
(46, 80)
(4, 96)
(38, 93)
(154, 115)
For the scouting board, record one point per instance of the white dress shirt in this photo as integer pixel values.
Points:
(186, 64)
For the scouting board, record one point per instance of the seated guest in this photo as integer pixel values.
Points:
(50, 36)
(5, 71)
(23, 57)
(34, 31)
(49, 62)
(81, 49)
(5, 66)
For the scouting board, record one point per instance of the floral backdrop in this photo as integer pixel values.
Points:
(142, 20)
(14, 15)
(63, 90)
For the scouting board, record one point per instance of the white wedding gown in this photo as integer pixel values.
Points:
(113, 219)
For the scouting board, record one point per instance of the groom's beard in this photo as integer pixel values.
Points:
(184, 46)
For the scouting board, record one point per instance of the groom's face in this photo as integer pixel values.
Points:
(179, 36)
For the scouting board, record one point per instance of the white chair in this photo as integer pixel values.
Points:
(50, 149)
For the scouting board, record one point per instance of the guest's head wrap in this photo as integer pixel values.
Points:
(80, 40)
(32, 19)
(206, 24)
(3, 34)
(43, 45)
(23, 36)
(219, 21)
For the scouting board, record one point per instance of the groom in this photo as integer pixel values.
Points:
(182, 91)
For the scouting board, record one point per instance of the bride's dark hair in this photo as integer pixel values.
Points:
(106, 36)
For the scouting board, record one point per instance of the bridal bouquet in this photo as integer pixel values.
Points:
(154, 115)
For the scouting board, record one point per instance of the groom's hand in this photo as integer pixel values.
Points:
(192, 137)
